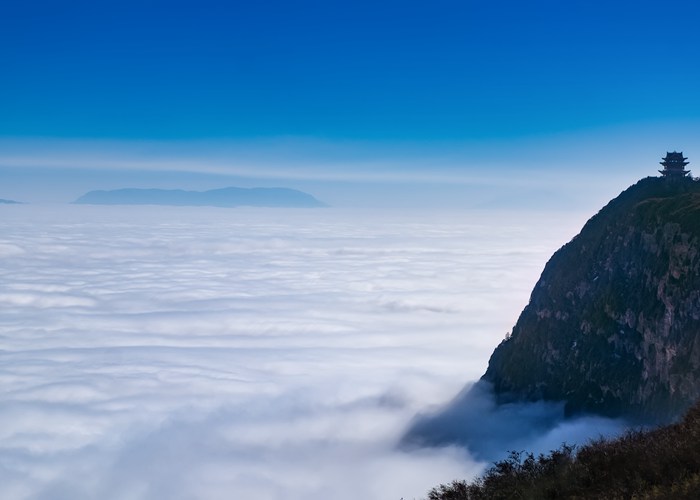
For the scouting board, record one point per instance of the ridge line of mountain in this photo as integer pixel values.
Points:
(223, 197)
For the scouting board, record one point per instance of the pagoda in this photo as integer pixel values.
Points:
(674, 165)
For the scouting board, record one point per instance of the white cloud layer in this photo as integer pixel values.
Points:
(252, 354)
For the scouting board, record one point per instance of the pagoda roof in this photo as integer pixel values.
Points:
(674, 161)
(675, 156)
(671, 171)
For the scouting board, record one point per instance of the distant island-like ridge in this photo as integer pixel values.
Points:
(8, 202)
(225, 197)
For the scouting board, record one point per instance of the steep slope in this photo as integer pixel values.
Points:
(613, 324)
(658, 464)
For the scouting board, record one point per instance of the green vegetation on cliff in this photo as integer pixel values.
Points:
(655, 465)
(612, 325)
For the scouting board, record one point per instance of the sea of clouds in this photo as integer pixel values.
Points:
(202, 353)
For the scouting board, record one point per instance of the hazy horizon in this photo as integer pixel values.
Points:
(570, 172)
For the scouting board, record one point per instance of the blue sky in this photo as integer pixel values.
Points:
(401, 87)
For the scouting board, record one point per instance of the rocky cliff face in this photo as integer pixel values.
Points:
(613, 324)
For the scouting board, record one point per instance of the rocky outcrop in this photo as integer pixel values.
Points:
(613, 324)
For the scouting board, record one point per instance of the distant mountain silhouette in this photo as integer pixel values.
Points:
(226, 197)
(9, 202)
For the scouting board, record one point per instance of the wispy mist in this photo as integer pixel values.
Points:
(489, 430)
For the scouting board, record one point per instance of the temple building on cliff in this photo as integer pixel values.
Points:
(674, 165)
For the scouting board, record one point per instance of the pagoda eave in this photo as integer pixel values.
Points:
(674, 172)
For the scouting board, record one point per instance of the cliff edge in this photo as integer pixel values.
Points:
(613, 324)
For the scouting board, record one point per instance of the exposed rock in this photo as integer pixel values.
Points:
(613, 324)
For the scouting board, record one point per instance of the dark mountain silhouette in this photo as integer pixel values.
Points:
(226, 197)
(612, 328)
(613, 324)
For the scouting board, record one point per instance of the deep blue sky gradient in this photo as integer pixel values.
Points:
(486, 103)
(360, 70)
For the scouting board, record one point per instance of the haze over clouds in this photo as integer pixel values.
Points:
(578, 171)
(204, 353)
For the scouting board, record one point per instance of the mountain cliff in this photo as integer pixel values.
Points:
(225, 197)
(613, 324)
